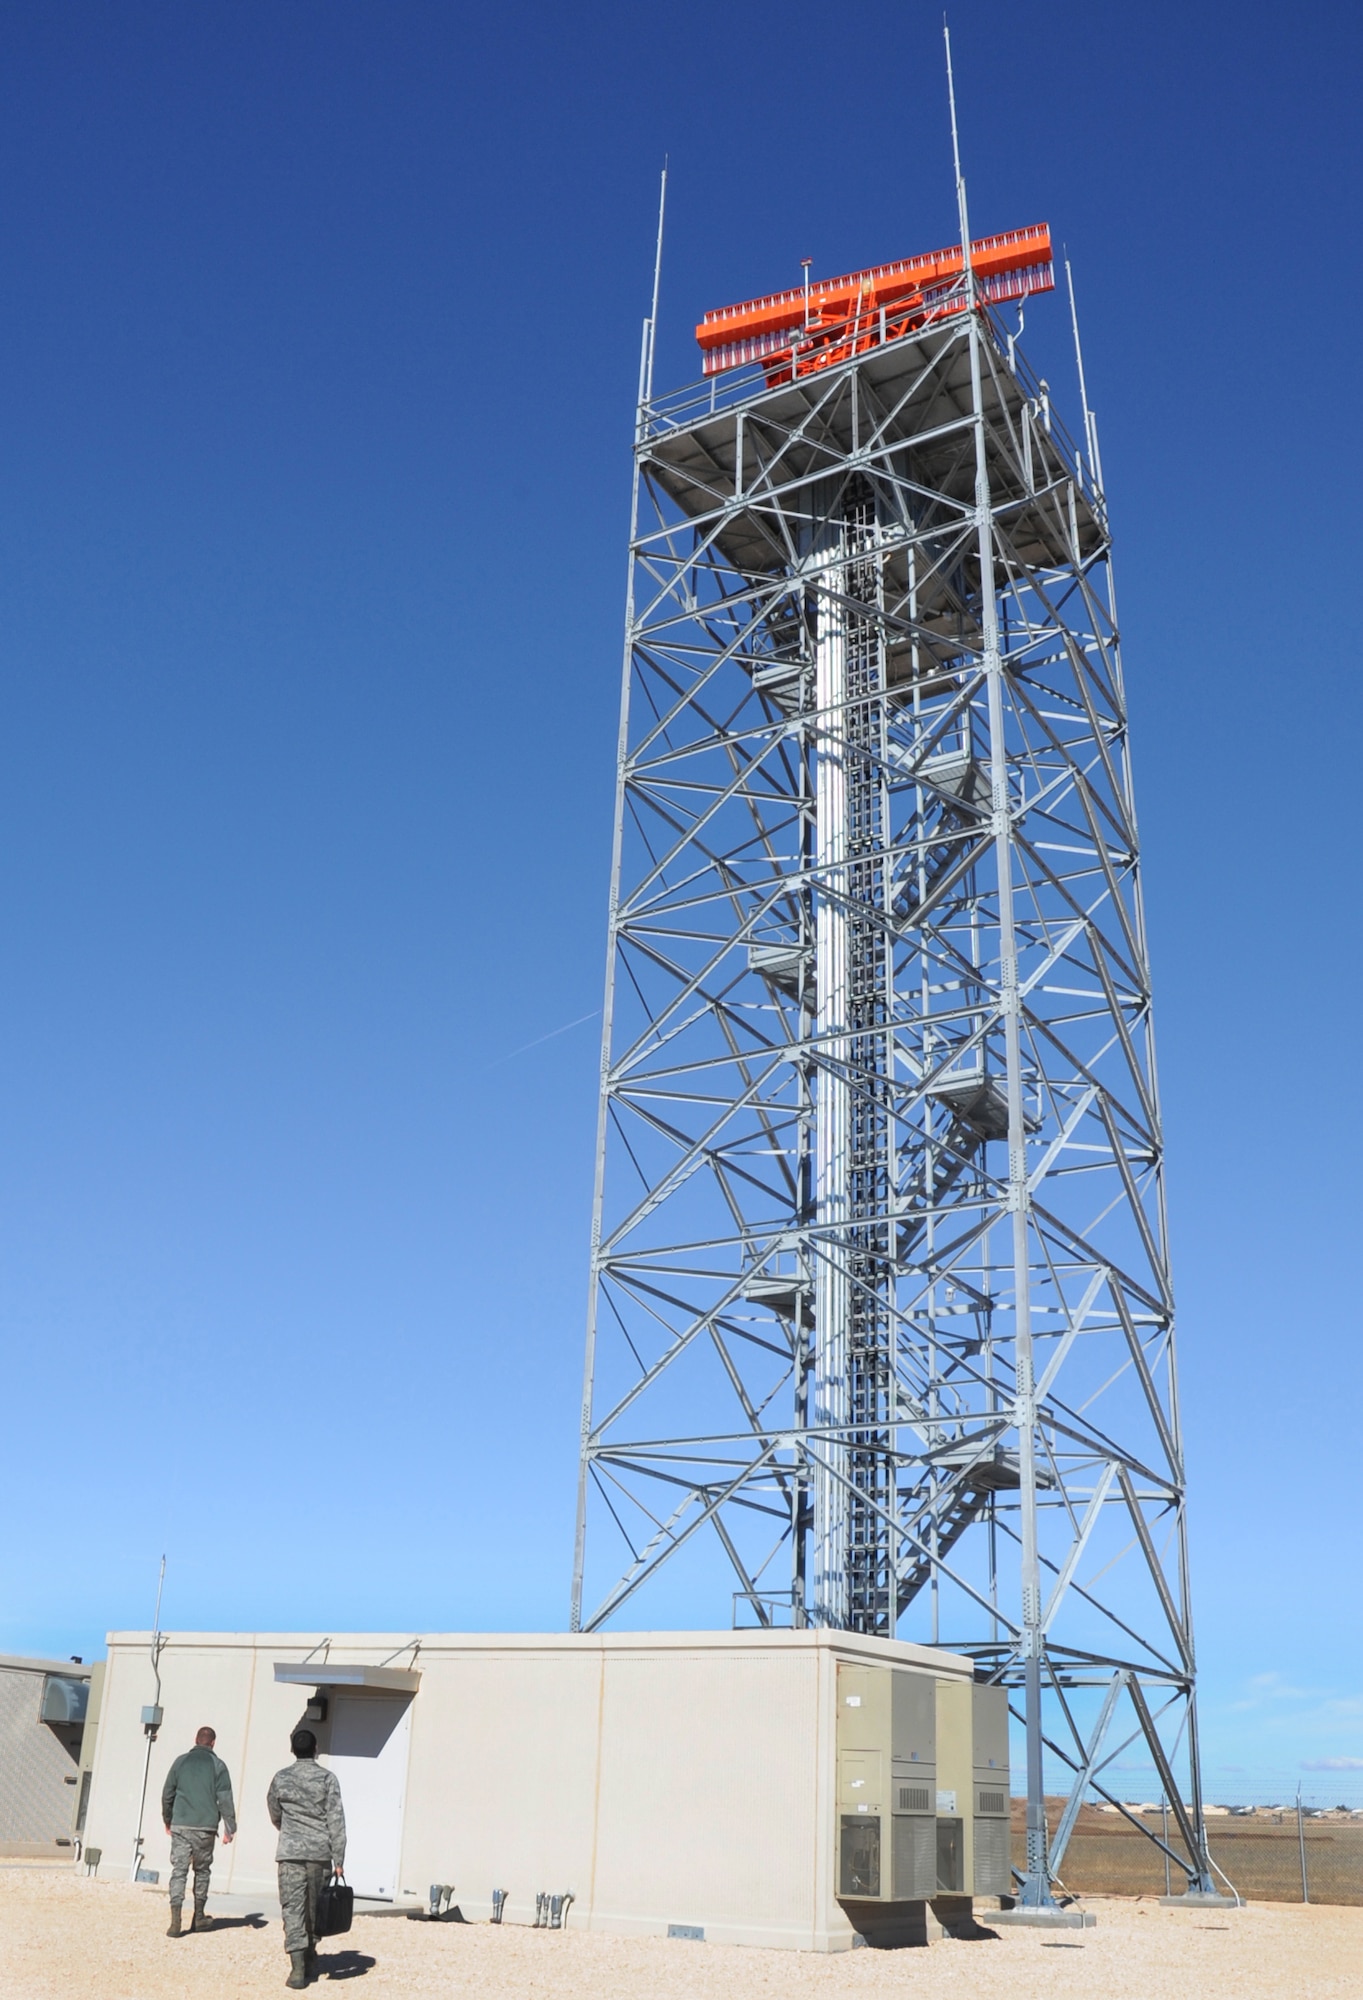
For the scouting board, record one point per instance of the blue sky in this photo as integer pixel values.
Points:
(318, 340)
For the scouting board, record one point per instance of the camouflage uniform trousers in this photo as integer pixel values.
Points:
(299, 1883)
(191, 1844)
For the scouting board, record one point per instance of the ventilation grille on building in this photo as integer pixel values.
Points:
(914, 1798)
(993, 1861)
(859, 1857)
(993, 1802)
(915, 1858)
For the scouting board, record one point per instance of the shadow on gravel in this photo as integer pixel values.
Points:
(344, 1965)
(255, 1921)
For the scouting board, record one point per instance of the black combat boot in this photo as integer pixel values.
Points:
(174, 1926)
(202, 1920)
(298, 1974)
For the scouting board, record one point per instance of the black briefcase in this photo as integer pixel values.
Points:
(335, 1908)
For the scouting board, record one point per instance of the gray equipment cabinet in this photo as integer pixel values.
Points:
(922, 1789)
(993, 1859)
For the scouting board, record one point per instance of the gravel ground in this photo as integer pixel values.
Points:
(63, 1937)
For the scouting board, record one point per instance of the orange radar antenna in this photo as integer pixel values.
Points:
(815, 326)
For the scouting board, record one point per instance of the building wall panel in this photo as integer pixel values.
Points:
(708, 1791)
(502, 1784)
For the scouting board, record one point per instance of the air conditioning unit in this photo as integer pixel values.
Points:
(922, 1787)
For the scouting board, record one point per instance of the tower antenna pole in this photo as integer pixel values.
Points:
(1090, 427)
(962, 213)
(657, 282)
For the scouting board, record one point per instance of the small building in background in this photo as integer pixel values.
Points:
(44, 1706)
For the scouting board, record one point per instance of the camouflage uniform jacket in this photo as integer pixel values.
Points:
(305, 1804)
(198, 1792)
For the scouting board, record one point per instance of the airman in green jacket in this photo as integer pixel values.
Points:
(196, 1795)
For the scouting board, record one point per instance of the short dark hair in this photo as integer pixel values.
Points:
(303, 1743)
(206, 1737)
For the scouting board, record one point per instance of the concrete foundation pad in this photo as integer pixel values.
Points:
(1055, 1919)
(1195, 1901)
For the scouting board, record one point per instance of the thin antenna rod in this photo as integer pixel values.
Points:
(1090, 428)
(156, 1620)
(961, 212)
(657, 281)
(151, 1727)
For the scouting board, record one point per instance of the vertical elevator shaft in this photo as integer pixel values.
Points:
(854, 1360)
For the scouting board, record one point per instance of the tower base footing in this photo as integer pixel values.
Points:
(1052, 1918)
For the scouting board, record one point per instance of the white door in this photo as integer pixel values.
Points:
(369, 1756)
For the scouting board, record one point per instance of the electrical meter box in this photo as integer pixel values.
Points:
(922, 1786)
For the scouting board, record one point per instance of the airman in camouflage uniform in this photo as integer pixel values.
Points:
(305, 1804)
(196, 1795)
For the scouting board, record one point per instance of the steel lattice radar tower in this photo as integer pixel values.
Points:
(881, 1312)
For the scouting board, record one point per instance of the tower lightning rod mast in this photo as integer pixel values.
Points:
(961, 213)
(1036, 1889)
(657, 282)
(1090, 427)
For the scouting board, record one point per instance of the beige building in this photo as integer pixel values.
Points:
(798, 1789)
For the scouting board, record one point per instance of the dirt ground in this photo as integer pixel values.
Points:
(1259, 1853)
(63, 1937)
